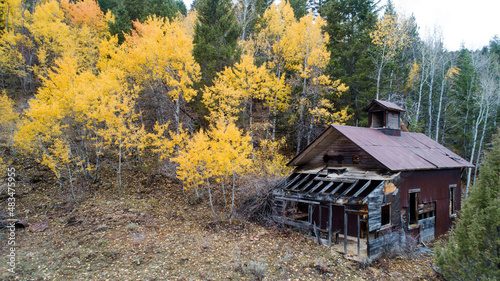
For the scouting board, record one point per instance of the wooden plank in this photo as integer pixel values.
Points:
(350, 187)
(315, 187)
(345, 233)
(329, 224)
(299, 224)
(337, 188)
(307, 177)
(306, 186)
(327, 187)
(297, 200)
(359, 233)
(362, 189)
(295, 179)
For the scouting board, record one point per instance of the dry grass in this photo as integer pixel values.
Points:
(153, 234)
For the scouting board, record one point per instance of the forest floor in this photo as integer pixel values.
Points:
(152, 233)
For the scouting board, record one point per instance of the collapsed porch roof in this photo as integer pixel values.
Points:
(338, 185)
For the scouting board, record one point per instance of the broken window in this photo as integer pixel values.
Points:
(413, 207)
(386, 214)
(297, 211)
(453, 203)
(427, 210)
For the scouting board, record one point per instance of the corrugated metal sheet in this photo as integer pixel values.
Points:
(410, 151)
(385, 104)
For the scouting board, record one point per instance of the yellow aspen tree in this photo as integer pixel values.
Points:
(391, 35)
(45, 132)
(158, 57)
(16, 45)
(193, 161)
(268, 44)
(34, 39)
(306, 55)
(231, 152)
(237, 88)
(211, 157)
(8, 122)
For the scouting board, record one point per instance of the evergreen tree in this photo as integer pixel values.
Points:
(122, 23)
(494, 46)
(473, 250)
(215, 37)
(464, 111)
(126, 11)
(349, 24)
(299, 8)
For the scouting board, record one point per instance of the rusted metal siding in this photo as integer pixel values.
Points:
(434, 187)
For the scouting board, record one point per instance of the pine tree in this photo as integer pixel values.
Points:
(349, 24)
(299, 8)
(215, 37)
(473, 250)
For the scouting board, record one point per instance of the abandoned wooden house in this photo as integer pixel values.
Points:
(379, 185)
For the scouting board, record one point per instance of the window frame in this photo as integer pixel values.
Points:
(389, 205)
(452, 200)
(413, 212)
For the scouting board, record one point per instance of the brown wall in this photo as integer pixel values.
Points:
(434, 187)
(346, 148)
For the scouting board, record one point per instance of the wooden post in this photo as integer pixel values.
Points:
(329, 224)
(359, 229)
(311, 209)
(320, 217)
(367, 239)
(345, 231)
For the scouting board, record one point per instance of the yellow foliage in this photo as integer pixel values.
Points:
(235, 86)
(8, 122)
(8, 116)
(414, 73)
(452, 72)
(220, 152)
(160, 50)
(391, 35)
(269, 161)
(305, 46)
(3, 167)
(86, 13)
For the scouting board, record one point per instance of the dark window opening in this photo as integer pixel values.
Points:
(386, 214)
(297, 211)
(453, 203)
(378, 119)
(413, 210)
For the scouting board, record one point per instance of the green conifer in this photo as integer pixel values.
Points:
(473, 249)
(215, 37)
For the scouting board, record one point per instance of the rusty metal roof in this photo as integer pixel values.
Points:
(385, 104)
(410, 151)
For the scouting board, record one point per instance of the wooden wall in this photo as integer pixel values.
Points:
(343, 146)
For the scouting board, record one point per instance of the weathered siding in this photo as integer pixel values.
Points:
(434, 187)
(346, 148)
(393, 120)
(376, 200)
(427, 228)
(384, 243)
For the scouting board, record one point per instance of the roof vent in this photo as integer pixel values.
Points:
(385, 116)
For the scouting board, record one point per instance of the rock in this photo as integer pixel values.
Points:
(21, 224)
(39, 226)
